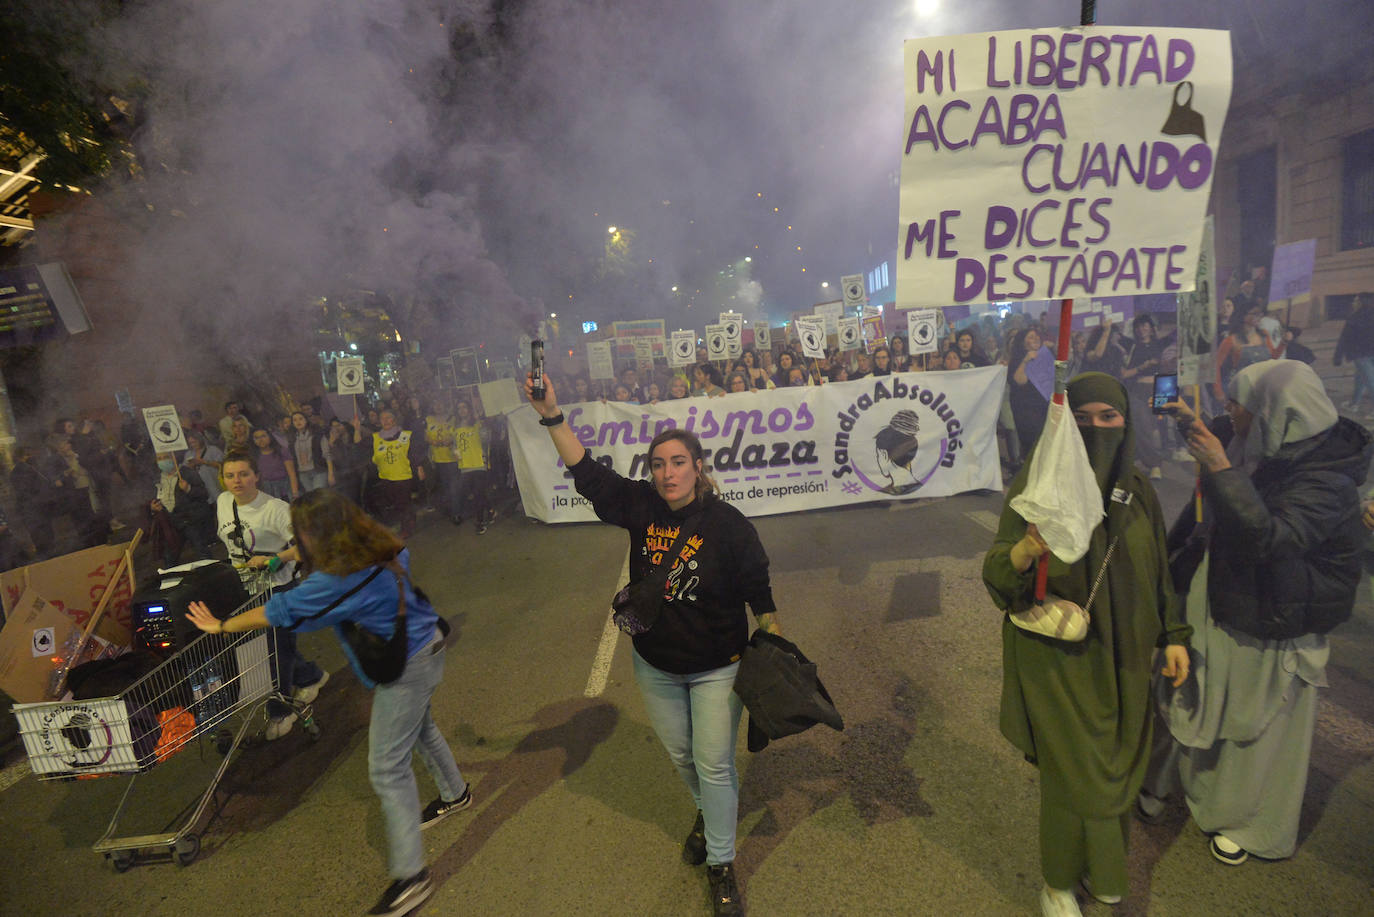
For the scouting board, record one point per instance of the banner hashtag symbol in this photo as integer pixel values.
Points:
(852, 488)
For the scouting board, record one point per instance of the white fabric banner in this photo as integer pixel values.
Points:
(1197, 318)
(1057, 163)
(785, 450)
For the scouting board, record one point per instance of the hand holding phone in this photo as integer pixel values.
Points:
(1165, 393)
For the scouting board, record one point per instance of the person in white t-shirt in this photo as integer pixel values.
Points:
(256, 528)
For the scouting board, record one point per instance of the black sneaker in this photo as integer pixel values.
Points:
(694, 848)
(405, 895)
(725, 897)
(438, 810)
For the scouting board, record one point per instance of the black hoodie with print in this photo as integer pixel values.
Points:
(721, 567)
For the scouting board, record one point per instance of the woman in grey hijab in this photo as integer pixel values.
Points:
(1272, 566)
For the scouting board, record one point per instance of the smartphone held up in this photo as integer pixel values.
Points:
(1165, 393)
(537, 370)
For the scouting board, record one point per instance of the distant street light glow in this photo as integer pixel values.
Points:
(611, 230)
(825, 284)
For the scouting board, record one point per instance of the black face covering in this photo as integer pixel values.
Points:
(1103, 445)
(1110, 449)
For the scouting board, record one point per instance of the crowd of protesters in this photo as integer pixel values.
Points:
(398, 457)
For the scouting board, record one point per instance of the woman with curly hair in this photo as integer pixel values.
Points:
(344, 552)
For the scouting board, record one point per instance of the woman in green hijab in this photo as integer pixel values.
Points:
(1080, 711)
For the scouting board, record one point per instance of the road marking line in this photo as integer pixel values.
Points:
(988, 520)
(12, 775)
(605, 652)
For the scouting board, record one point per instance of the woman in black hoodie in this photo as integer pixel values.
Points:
(685, 662)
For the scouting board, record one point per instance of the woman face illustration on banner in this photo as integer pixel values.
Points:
(895, 448)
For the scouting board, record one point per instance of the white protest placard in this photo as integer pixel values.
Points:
(165, 428)
(350, 375)
(763, 337)
(922, 330)
(1197, 317)
(811, 334)
(852, 286)
(733, 323)
(850, 338)
(1290, 276)
(683, 351)
(644, 350)
(600, 364)
(830, 313)
(1057, 163)
(717, 345)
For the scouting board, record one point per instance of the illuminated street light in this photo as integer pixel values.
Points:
(825, 284)
(611, 230)
(553, 315)
(352, 346)
(674, 288)
(748, 258)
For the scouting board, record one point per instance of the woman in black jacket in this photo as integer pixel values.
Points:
(685, 661)
(1272, 568)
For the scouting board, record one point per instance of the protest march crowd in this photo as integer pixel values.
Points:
(400, 456)
(1279, 472)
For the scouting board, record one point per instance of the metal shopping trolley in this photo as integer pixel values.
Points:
(211, 690)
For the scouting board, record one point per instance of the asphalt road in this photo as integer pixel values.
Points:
(918, 807)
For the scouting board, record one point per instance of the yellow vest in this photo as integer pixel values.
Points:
(469, 447)
(392, 457)
(439, 432)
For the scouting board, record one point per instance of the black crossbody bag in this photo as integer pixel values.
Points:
(636, 608)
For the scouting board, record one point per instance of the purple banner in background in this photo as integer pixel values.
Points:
(1291, 275)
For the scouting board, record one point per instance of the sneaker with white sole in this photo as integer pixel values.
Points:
(404, 895)
(1105, 899)
(1228, 851)
(440, 809)
(1058, 902)
(279, 726)
(306, 694)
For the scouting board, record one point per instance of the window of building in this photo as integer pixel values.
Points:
(1357, 191)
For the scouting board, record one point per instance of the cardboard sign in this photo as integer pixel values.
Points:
(830, 313)
(1290, 277)
(850, 337)
(1197, 318)
(500, 397)
(922, 331)
(1054, 163)
(25, 673)
(164, 428)
(644, 351)
(600, 365)
(73, 584)
(717, 344)
(352, 380)
(684, 349)
(733, 323)
(811, 335)
(763, 337)
(852, 286)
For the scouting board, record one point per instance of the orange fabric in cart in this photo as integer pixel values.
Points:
(178, 727)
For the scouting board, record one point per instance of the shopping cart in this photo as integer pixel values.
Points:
(211, 690)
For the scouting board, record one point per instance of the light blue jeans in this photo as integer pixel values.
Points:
(401, 723)
(313, 479)
(697, 718)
